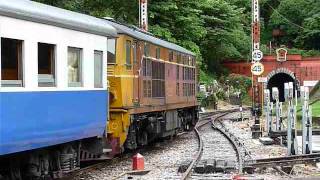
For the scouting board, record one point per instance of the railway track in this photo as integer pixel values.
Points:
(207, 147)
(206, 119)
(284, 161)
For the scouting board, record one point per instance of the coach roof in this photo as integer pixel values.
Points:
(138, 34)
(41, 13)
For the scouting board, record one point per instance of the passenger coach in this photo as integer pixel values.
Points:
(53, 90)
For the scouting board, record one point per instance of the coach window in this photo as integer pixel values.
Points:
(98, 69)
(128, 54)
(74, 67)
(111, 51)
(46, 65)
(11, 63)
(158, 53)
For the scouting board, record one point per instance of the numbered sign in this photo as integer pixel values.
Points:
(262, 79)
(257, 69)
(257, 55)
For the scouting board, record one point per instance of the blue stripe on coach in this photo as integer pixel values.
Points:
(30, 120)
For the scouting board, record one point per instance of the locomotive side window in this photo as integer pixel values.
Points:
(158, 79)
(147, 88)
(11, 62)
(111, 51)
(146, 49)
(178, 89)
(98, 71)
(179, 58)
(128, 54)
(146, 67)
(135, 45)
(178, 72)
(46, 65)
(74, 67)
(170, 56)
(158, 53)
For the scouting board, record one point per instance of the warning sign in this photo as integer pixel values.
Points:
(257, 69)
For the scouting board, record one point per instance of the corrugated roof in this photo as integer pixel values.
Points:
(41, 13)
(124, 29)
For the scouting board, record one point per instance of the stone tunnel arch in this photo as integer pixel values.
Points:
(277, 78)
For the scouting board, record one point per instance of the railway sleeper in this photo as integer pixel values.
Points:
(184, 166)
(214, 166)
(201, 167)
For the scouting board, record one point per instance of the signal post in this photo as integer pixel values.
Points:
(257, 69)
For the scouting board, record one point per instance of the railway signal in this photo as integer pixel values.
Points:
(306, 122)
(143, 14)
(291, 127)
(275, 96)
(268, 108)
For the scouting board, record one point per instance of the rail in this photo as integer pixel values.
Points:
(208, 116)
(187, 173)
(284, 161)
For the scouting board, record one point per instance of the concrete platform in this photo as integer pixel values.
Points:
(266, 140)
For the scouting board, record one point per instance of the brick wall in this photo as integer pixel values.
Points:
(305, 68)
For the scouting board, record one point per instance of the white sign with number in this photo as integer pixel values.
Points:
(257, 55)
(257, 69)
(262, 79)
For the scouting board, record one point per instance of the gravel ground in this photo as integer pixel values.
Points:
(216, 147)
(162, 160)
(258, 150)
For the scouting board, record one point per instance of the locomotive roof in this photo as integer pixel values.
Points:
(41, 13)
(136, 33)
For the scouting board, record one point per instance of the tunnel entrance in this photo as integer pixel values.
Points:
(278, 81)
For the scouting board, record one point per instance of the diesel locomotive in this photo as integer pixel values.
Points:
(77, 88)
(152, 89)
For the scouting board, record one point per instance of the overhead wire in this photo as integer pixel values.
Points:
(289, 21)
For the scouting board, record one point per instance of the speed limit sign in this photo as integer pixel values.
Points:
(257, 69)
(257, 55)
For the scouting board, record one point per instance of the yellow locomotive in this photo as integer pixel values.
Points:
(152, 88)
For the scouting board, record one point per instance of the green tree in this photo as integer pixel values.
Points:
(214, 29)
(226, 37)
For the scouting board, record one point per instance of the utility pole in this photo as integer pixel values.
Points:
(143, 14)
(255, 25)
(256, 68)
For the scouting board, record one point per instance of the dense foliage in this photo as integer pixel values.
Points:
(214, 29)
(299, 20)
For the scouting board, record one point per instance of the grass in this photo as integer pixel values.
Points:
(315, 114)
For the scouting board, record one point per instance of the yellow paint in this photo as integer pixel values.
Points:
(121, 89)
(121, 82)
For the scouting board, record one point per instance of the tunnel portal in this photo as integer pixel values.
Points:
(278, 81)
